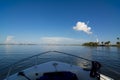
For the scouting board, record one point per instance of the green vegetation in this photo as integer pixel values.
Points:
(90, 44)
(107, 43)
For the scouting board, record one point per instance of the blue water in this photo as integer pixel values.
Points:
(109, 57)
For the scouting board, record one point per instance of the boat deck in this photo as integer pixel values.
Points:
(52, 66)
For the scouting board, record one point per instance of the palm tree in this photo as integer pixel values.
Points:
(102, 42)
(107, 43)
(118, 41)
(118, 38)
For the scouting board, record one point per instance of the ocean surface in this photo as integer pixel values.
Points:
(109, 57)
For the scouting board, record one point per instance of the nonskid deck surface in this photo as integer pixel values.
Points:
(53, 66)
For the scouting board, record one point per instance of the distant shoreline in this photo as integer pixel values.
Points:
(68, 45)
(109, 45)
(47, 44)
(95, 44)
(18, 44)
(103, 46)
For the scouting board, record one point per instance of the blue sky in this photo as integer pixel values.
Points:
(54, 21)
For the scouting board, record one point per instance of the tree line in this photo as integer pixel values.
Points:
(107, 43)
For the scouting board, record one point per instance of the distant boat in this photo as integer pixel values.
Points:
(55, 69)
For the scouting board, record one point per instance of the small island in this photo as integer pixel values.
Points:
(107, 44)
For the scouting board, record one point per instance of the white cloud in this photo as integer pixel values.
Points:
(81, 26)
(60, 40)
(9, 39)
